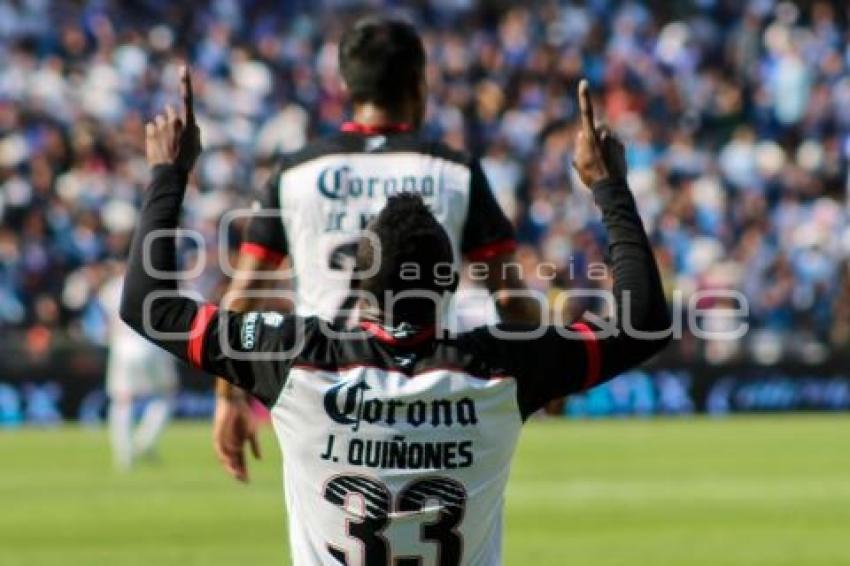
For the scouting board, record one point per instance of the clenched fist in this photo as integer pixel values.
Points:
(598, 154)
(170, 139)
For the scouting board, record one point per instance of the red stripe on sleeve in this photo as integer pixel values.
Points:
(491, 250)
(594, 354)
(197, 333)
(261, 252)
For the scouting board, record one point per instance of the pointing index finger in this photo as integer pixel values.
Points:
(585, 107)
(186, 91)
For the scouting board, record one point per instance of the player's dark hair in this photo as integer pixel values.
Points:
(415, 255)
(382, 61)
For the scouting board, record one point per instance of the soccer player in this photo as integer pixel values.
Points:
(397, 445)
(319, 199)
(136, 372)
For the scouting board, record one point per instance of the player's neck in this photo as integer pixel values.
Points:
(374, 116)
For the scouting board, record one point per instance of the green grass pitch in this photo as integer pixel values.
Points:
(739, 491)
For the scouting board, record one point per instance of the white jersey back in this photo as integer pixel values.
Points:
(396, 443)
(395, 470)
(319, 200)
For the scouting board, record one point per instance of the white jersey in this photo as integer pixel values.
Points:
(319, 200)
(381, 467)
(396, 444)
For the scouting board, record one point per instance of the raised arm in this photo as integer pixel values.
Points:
(150, 304)
(216, 341)
(566, 360)
(642, 317)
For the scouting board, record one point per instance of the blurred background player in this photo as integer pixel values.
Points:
(319, 199)
(139, 376)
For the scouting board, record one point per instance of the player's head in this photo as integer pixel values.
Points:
(382, 62)
(413, 265)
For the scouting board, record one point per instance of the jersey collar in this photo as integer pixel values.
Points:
(370, 130)
(402, 335)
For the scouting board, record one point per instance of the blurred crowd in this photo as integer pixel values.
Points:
(735, 115)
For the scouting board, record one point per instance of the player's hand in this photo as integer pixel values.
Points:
(171, 139)
(233, 427)
(599, 155)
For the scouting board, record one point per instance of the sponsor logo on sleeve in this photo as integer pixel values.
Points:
(248, 333)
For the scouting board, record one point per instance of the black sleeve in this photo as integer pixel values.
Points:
(487, 231)
(252, 350)
(150, 303)
(566, 360)
(264, 235)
